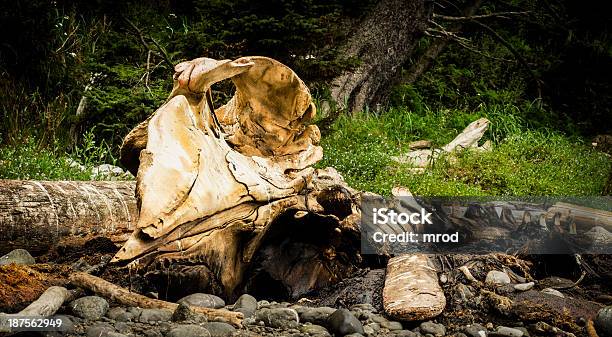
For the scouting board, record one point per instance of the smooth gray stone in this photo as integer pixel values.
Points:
(497, 277)
(246, 304)
(219, 329)
(435, 329)
(89, 307)
(17, 256)
(203, 300)
(603, 321)
(282, 318)
(154, 315)
(188, 330)
(343, 322)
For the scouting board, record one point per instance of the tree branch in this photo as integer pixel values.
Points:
(476, 17)
(160, 50)
(516, 54)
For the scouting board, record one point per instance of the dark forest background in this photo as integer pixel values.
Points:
(76, 76)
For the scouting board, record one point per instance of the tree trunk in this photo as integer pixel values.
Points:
(35, 215)
(382, 42)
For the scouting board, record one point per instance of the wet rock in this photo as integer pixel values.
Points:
(154, 315)
(508, 332)
(283, 318)
(603, 321)
(134, 311)
(354, 335)
(315, 315)
(363, 307)
(99, 330)
(524, 286)
(497, 277)
(343, 322)
(154, 333)
(67, 323)
(391, 325)
(188, 330)
(219, 329)
(122, 327)
(368, 331)
(184, 313)
(17, 256)
(374, 326)
(246, 304)
(119, 314)
(89, 307)
(115, 334)
(475, 330)
(203, 300)
(405, 333)
(554, 292)
(438, 330)
(314, 330)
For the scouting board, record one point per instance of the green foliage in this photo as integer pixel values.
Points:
(30, 160)
(523, 161)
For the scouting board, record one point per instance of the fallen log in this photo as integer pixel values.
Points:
(420, 156)
(35, 215)
(411, 290)
(121, 295)
(48, 303)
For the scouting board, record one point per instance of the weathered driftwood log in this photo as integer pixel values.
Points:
(220, 192)
(126, 297)
(48, 303)
(420, 158)
(35, 215)
(411, 290)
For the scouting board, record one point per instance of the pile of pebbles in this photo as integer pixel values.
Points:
(474, 309)
(93, 316)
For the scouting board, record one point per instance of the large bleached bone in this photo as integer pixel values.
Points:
(212, 182)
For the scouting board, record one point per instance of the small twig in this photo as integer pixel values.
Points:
(147, 72)
(476, 17)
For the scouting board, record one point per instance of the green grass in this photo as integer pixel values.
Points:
(31, 160)
(524, 161)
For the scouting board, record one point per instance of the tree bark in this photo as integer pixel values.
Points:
(35, 215)
(382, 42)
